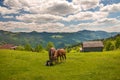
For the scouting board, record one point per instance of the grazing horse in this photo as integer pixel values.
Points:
(60, 53)
(52, 51)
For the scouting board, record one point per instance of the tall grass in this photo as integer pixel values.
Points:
(21, 65)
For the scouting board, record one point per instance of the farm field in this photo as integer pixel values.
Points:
(22, 65)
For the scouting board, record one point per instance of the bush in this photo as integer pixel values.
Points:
(117, 43)
(38, 48)
(28, 47)
(109, 46)
(21, 48)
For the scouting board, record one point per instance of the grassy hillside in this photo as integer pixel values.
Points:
(21, 65)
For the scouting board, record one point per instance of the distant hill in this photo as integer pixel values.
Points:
(59, 39)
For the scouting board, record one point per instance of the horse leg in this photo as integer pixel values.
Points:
(61, 57)
(56, 60)
(64, 56)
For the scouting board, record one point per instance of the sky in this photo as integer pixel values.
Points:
(59, 15)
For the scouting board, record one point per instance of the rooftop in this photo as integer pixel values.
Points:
(93, 44)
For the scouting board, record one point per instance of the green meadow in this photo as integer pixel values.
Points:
(22, 65)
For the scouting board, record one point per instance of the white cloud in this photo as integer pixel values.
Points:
(87, 16)
(59, 27)
(108, 21)
(4, 11)
(81, 16)
(46, 15)
(106, 24)
(39, 18)
(86, 4)
(17, 26)
(50, 27)
(100, 15)
(116, 28)
(28, 27)
(62, 8)
(19, 4)
(8, 17)
(111, 8)
(56, 7)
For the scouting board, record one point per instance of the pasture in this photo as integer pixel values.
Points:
(22, 65)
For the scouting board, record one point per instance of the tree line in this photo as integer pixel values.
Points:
(37, 48)
(112, 43)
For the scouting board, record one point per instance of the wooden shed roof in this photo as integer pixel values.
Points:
(93, 44)
(6, 46)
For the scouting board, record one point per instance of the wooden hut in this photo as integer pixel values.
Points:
(8, 46)
(90, 46)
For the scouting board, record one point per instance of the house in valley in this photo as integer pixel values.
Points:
(91, 46)
(8, 46)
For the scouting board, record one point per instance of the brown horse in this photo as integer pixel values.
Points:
(60, 53)
(52, 52)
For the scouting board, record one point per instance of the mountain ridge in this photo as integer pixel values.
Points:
(59, 39)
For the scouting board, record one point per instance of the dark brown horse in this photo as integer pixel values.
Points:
(60, 53)
(52, 52)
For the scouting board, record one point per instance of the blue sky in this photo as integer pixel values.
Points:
(59, 15)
